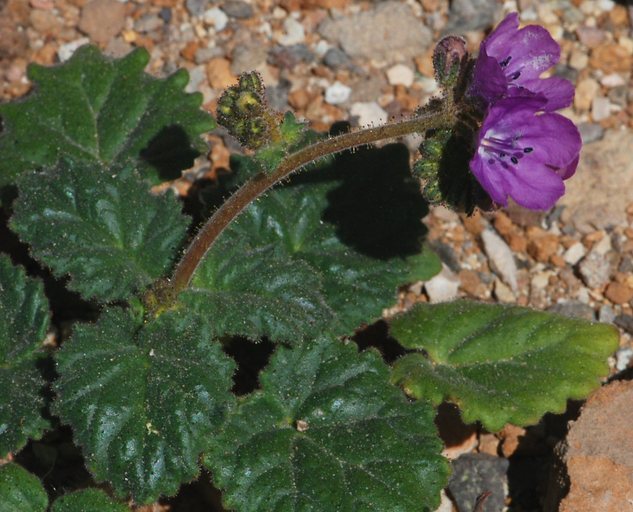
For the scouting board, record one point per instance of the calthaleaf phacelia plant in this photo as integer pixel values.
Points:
(154, 387)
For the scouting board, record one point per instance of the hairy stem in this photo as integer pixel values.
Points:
(260, 183)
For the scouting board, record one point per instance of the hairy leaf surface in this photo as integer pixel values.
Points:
(142, 399)
(357, 226)
(328, 432)
(24, 320)
(20, 491)
(500, 364)
(104, 112)
(87, 500)
(109, 233)
(258, 292)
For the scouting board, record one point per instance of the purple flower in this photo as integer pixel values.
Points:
(510, 62)
(524, 153)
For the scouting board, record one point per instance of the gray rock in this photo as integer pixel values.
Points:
(443, 287)
(247, 57)
(574, 309)
(474, 473)
(468, 15)
(590, 132)
(597, 196)
(606, 314)
(287, 57)
(626, 264)
(336, 58)
(389, 31)
(238, 10)
(196, 7)
(501, 258)
(618, 95)
(625, 322)
(596, 269)
(277, 96)
(148, 23)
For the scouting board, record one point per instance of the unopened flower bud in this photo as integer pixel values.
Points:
(449, 59)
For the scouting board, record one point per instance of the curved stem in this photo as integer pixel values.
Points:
(261, 182)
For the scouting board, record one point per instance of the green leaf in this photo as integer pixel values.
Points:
(87, 500)
(142, 399)
(356, 225)
(20, 491)
(104, 112)
(328, 432)
(257, 292)
(24, 321)
(109, 233)
(500, 364)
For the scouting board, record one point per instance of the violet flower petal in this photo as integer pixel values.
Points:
(558, 91)
(525, 155)
(489, 82)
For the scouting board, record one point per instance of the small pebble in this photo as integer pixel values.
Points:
(501, 257)
(336, 58)
(575, 253)
(443, 287)
(217, 18)
(400, 75)
(337, 93)
(623, 358)
(238, 10)
(600, 108)
(368, 113)
(625, 322)
(66, 50)
(606, 314)
(590, 132)
(196, 7)
(294, 33)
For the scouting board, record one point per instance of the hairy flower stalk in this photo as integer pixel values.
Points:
(442, 116)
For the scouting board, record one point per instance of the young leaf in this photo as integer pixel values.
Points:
(24, 320)
(142, 399)
(109, 233)
(87, 500)
(104, 112)
(357, 225)
(328, 432)
(257, 292)
(20, 491)
(500, 364)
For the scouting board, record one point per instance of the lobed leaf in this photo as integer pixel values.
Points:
(109, 233)
(357, 230)
(257, 292)
(500, 364)
(24, 321)
(142, 399)
(20, 491)
(87, 500)
(103, 112)
(327, 432)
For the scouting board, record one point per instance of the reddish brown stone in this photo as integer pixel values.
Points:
(597, 453)
(618, 293)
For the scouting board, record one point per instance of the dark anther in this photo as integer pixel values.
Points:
(515, 75)
(514, 160)
(528, 150)
(502, 155)
(505, 61)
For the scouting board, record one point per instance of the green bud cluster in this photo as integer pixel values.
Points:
(242, 110)
(427, 168)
